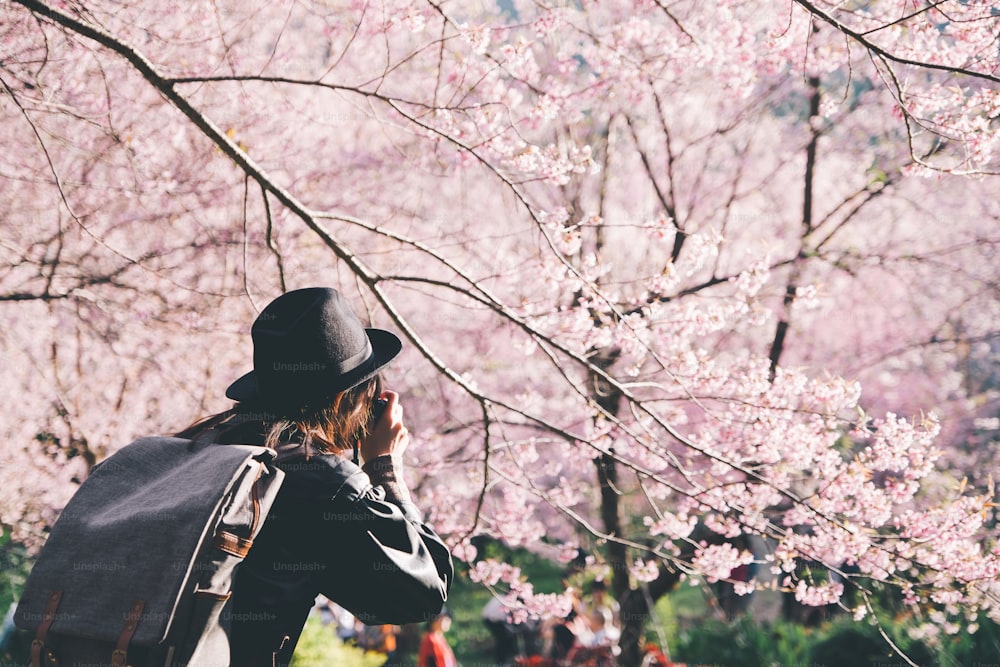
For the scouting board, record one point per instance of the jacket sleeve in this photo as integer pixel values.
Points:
(386, 565)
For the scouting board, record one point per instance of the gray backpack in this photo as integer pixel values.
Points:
(139, 567)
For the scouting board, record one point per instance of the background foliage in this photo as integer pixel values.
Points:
(672, 275)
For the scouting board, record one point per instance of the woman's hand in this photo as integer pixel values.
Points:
(388, 435)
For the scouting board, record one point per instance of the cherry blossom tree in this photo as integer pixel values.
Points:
(670, 273)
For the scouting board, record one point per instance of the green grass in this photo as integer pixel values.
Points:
(319, 647)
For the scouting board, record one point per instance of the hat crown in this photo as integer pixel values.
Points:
(309, 326)
(309, 345)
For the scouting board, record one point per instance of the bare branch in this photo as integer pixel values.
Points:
(861, 38)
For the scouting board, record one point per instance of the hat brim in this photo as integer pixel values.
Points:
(386, 346)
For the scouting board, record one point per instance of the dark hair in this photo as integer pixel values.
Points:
(327, 425)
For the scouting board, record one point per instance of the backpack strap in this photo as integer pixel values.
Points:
(119, 657)
(48, 616)
(234, 544)
(226, 541)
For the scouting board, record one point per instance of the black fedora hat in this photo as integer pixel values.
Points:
(308, 345)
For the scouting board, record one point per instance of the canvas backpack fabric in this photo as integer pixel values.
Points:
(138, 569)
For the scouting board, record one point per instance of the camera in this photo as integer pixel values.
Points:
(378, 407)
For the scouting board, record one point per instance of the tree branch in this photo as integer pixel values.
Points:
(860, 37)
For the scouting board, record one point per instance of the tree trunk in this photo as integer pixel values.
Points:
(635, 614)
(634, 602)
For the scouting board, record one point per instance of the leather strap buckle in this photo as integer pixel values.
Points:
(119, 657)
(48, 617)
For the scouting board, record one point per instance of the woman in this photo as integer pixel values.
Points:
(434, 649)
(348, 532)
